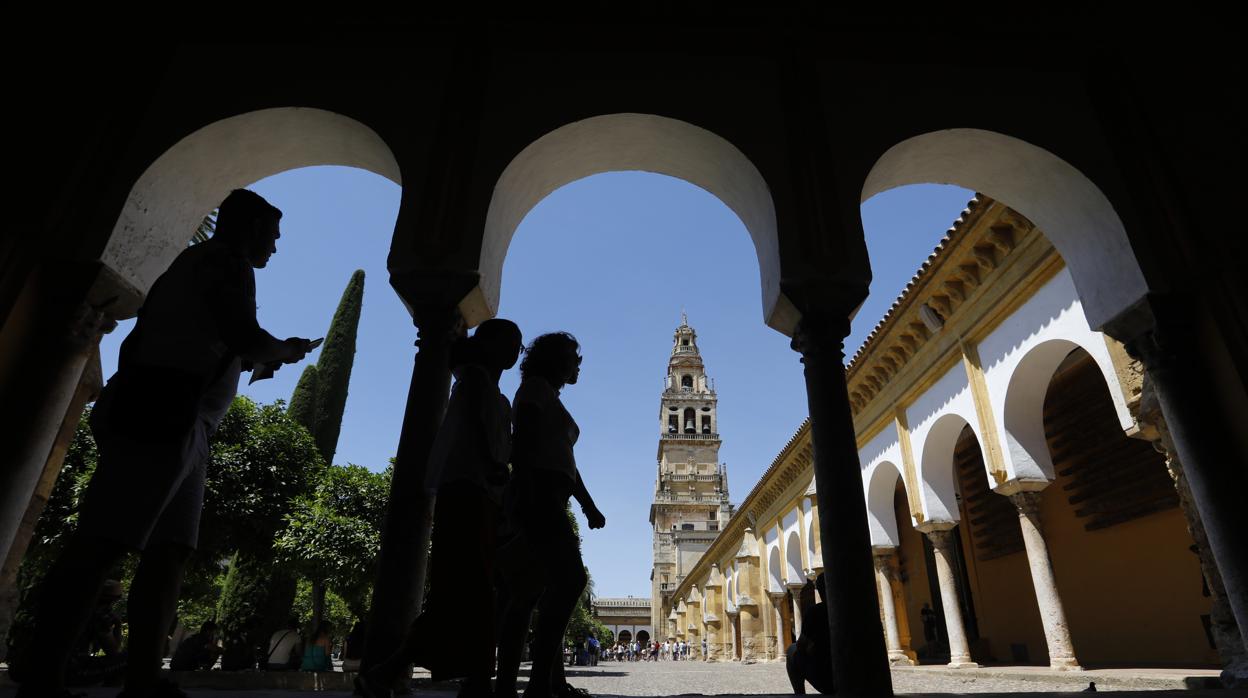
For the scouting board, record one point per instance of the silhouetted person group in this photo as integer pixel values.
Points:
(500, 532)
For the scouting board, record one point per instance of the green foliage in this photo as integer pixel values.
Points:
(303, 401)
(334, 367)
(340, 614)
(333, 535)
(255, 600)
(261, 461)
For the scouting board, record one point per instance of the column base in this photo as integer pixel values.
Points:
(1065, 664)
(899, 659)
(962, 663)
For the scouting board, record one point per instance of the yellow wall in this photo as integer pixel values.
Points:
(1005, 605)
(1132, 591)
(914, 582)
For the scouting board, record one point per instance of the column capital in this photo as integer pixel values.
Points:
(927, 528)
(1028, 505)
(942, 539)
(1016, 485)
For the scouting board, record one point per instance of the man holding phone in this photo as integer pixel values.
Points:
(177, 374)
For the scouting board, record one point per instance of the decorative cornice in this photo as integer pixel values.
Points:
(964, 260)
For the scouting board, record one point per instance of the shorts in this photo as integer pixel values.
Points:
(145, 493)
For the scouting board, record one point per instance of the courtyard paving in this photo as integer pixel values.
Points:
(731, 678)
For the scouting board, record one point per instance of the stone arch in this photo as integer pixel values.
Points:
(793, 573)
(775, 580)
(1022, 411)
(881, 487)
(626, 636)
(615, 142)
(189, 179)
(938, 479)
(1071, 210)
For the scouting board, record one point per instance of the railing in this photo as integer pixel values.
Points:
(686, 477)
(660, 497)
(692, 437)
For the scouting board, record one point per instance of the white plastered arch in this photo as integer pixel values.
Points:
(1064, 203)
(623, 142)
(1019, 358)
(936, 419)
(189, 180)
(881, 517)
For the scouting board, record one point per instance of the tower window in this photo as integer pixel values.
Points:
(684, 341)
(673, 424)
(686, 381)
(706, 424)
(689, 423)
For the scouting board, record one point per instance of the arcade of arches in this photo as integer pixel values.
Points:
(1090, 563)
(781, 115)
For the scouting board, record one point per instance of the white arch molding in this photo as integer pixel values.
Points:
(1027, 448)
(775, 584)
(881, 517)
(939, 481)
(190, 179)
(793, 573)
(623, 142)
(1074, 214)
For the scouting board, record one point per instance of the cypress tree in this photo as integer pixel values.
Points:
(333, 368)
(302, 407)
(257, 596)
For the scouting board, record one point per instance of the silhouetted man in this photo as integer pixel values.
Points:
(810, 658)
(177, 373)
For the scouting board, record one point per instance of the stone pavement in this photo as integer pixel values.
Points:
(731, 678)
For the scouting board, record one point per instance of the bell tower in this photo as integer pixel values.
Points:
(691, 490)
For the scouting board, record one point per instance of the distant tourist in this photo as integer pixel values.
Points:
(199, 651)
(285, 648)
(317, 652)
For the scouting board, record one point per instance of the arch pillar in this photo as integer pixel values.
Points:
(941, 534)
(885, 571)
(859, 657)
(398, 591)
(67, 311)
(1173, 362)
(1025, 496)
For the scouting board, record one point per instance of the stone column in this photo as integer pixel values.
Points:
(88, 388)
(795, 590)
(943, 543)
(1212, 461)
(859, 658)
(398, 592)
(1226, 633)
(782, 636)
(38, 400)
(1052, 614)
(885, 572)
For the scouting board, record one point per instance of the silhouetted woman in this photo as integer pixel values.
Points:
(468, 470)
(544, 476)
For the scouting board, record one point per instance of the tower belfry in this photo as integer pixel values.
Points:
(691, 489)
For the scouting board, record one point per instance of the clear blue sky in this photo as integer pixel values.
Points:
(613, 259)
